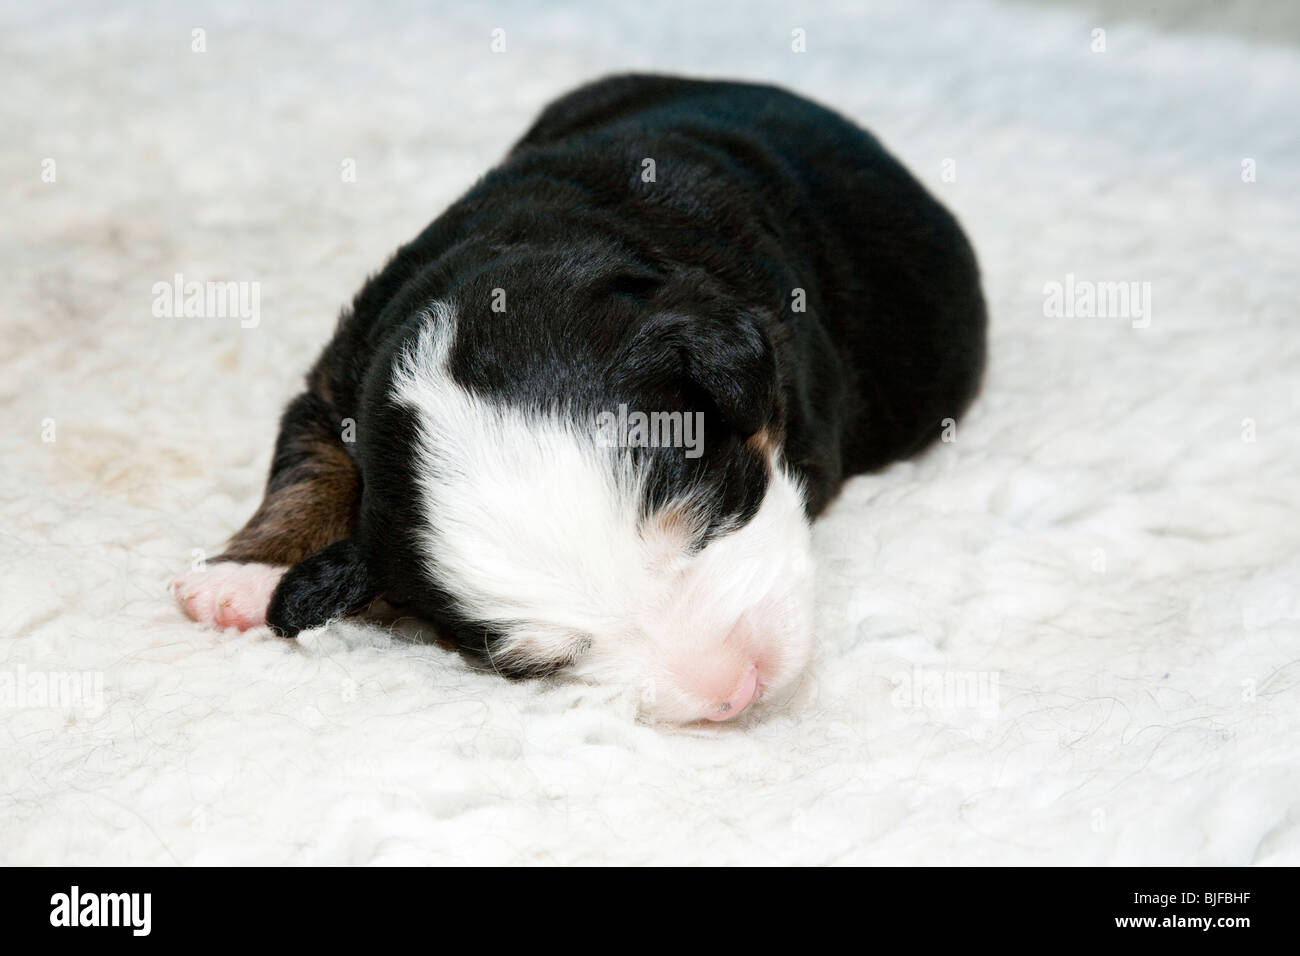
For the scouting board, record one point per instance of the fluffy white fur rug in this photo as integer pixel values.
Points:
(1107, 557)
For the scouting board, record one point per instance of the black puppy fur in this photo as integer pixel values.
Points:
(333, 577)
(676, 294)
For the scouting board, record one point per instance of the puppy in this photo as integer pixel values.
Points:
(584, 419)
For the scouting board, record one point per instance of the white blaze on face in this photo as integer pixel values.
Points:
(533, 526)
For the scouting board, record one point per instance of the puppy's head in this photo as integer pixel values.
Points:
(618, 508)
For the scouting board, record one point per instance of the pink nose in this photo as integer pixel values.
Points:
(740, 698)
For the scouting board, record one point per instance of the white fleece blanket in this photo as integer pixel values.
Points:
(1072, 635)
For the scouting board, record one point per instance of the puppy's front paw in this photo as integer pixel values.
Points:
(227, 594)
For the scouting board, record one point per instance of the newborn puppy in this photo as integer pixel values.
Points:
(583, 420)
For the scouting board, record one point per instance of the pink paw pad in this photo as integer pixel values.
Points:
(227, 594)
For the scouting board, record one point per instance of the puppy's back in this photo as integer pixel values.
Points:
(889, 283)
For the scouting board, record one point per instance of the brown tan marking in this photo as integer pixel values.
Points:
(764, 443)
(311, 499)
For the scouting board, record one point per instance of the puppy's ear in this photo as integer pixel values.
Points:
(733, 362)
(331, 583)
(727, 356)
